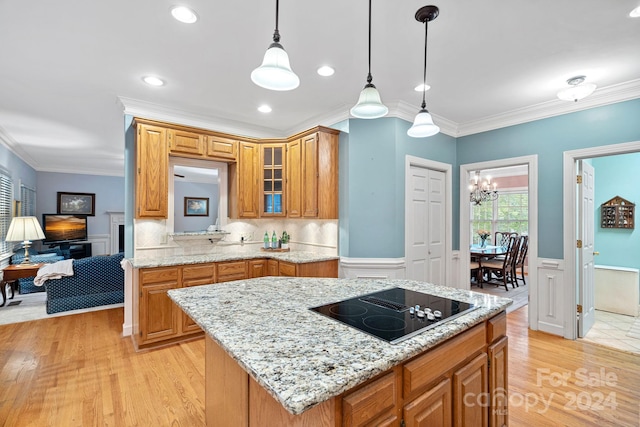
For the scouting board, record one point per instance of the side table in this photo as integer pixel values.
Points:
(12, 273)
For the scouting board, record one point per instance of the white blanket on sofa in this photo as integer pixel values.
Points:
(54, 271)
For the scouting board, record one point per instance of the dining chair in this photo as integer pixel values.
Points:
(503, 268)
(520, 260)
(501, 238)
(476, 271)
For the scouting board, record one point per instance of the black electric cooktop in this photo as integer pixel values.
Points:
(396, 314)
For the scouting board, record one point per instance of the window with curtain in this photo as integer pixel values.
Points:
(28, 199)
(509, 212)
(6, 207)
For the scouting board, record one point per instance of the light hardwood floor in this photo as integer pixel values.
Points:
(78, 371)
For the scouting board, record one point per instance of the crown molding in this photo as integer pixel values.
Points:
(604, 96)
(152, 111)
(13, 146)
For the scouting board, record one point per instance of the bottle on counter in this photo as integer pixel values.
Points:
(274, 240)
(266, 240)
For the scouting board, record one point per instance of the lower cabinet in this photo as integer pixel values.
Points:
(158, 321)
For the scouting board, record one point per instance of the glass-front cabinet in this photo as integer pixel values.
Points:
(272, 202)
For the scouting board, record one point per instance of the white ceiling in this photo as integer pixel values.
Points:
(68, 68)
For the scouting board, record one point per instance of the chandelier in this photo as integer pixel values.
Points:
(482, 191)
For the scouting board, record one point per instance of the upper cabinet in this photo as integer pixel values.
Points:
(219, 147)
(184, 142)
(152, 171)
(295, 177)
(272, 166)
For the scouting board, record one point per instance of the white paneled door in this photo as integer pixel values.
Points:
(426, 226)
(586, 221)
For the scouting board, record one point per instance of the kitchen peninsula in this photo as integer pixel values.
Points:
(272, 361)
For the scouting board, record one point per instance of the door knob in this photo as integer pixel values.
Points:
(596, 253)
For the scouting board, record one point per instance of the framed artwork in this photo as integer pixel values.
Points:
(77, 203)
(196, 206)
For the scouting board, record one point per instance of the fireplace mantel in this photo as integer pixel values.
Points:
(116, 219)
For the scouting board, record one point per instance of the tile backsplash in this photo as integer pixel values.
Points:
(318, 236)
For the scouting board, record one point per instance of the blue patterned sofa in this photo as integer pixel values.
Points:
(47, 256)
(97, 280)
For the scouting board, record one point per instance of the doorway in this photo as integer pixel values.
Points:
(572, 293)
(466, 173)
(612, 298)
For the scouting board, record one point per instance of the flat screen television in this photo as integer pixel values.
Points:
(61, 229)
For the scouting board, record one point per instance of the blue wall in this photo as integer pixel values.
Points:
(549, 138)
(20, 171)
(372, 173)
(194, 189)
(109, 191)
(614, 177)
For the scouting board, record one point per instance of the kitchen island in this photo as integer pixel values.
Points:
(272, 361)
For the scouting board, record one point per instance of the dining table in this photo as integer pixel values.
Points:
(487, 252)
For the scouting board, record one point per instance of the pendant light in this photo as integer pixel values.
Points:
(423, 125)
(275, 72)
(369, 104)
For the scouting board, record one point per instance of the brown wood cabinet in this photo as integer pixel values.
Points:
(185, 142)
(195, 275)
(294, 179)
(220, 147)
(152, 173)
(447, 385)
(245, 179)
(158, 321)
(272, 190)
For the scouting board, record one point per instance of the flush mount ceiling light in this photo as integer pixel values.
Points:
(326, 71)
(423, 125)
(153, 81)
(275, 72)
(184, 14)
(369, 104)
(578, 89)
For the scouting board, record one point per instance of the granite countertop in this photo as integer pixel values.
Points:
(296, 257)
(299, 356)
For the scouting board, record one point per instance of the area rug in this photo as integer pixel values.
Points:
(24, 308)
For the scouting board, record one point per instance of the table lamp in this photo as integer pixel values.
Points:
(25, 229)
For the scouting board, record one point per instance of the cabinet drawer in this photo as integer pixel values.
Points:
(497, 327)
(287, 269)
(227, 271)
(426, 369)
(204, 271)
(370, 402)
(158, 275)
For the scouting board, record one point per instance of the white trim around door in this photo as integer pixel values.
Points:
(465, 177)
(569, 217)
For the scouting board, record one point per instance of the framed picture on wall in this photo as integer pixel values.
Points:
(77, 203)
(196, 206)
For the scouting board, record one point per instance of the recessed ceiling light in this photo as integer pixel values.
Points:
(264, 109)
(326, 71)
(635, 13)
(420, 87)
(184, 14)
(153, 81)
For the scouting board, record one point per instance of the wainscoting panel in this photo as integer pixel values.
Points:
(550, 296)
(372, 268)
(100, 244)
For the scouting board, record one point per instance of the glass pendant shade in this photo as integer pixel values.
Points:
(369, 104)
(574, 93)
(275, 72)
(423, 126)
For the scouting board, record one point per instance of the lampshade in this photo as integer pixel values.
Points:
(275, 72)
(578, 89)
(423, 125)
(369, 104)
(24, 228)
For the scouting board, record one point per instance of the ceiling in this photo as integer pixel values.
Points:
(70, 68)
